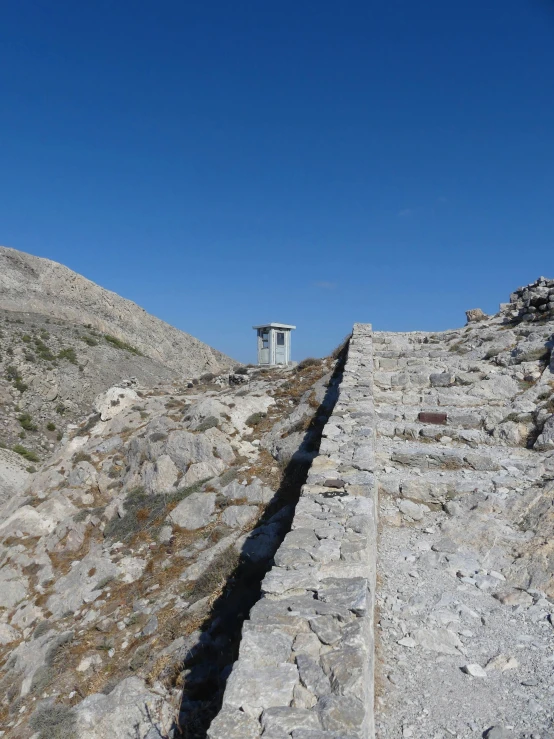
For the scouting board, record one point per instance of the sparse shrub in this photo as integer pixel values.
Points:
(308, 362)
(26, 338)
(207, 377)
(340, 349)
(103, 582)
(195, 381)
(89, 340)
(90, 424)
(228, 476)
(54, 721)
(29, 357)
(114, 341)
(31, 469)
(139, 657)
(26, 453)
(51, 426)
(215, 575)
(208, 423)
(60, 409)
(12, 375)
(42, 628)
(81, 457)
(255, 419)
(43, 351)
(69, 354)
(240, 371)
(143, 511)
(83, 514)
(157, 436)
(27, 422)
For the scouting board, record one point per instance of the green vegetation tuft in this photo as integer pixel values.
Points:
(143, 511)
(81, 457)
(27, 454)
(13, 376)
(208, 423)
(51, 426)
(54, 721)
(114, 341)
(69, 354)
(27, 422)
(255, 419)
(308, 362)
(43, 351)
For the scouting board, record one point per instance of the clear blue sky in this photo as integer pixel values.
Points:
(317, 163)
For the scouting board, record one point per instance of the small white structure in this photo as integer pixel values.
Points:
(273, 343)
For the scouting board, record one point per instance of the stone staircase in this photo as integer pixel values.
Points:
(442, 489)
(418, 421)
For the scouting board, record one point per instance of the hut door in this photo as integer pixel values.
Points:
(280, 349)
(264, 347)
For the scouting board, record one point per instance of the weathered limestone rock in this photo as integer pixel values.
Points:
(475, 315)
(194, 512)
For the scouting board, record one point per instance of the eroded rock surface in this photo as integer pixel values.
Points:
(116, 551)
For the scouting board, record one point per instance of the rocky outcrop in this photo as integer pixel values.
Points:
(531, 303)
(134, 557)
(35, 285)
(114, 551)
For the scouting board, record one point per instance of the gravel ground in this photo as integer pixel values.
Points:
(464, 649)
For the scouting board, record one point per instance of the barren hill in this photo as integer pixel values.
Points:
(35, 285)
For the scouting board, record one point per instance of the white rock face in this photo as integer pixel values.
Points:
(130, 710)
(13, 474)
(194, 512)
(32, 284)
(113, 401)
(545, 441)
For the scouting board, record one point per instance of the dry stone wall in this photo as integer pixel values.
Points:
(305, 667)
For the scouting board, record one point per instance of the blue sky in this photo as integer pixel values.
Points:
(317, 163)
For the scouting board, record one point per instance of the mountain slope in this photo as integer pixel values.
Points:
(36, 285)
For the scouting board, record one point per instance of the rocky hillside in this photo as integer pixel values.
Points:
(131, 558)
(50, 373)
(33, 285)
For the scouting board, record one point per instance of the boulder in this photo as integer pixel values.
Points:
(545, 440)
(475, 315)
(129, 711)
(194, 512)
(239, 516)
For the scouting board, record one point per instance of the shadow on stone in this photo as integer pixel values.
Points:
(208, 664)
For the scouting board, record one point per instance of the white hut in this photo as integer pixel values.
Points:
(274, 344)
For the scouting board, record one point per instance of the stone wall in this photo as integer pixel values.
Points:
(305, 667)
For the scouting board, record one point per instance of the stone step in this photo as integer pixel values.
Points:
(456, 417)
(441, 486)
(403, 353)
(433, 456)
(457, 397)
(434, 432)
